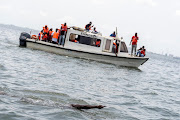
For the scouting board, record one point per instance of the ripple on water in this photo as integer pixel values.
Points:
(163, 112)
(2, 68)
(38, 84)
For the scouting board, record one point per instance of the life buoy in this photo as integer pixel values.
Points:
(34, 37)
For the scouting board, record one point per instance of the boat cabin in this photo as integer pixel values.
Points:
(94, 43)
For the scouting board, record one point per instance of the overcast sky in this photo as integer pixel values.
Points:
(157, 22)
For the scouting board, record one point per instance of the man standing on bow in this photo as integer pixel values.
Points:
(134, 44)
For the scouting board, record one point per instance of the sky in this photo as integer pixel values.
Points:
(157, 22)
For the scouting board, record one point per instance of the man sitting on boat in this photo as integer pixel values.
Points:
(88, 26)
(141, 52)
(95, 31)
(113, 34)
(98, 43)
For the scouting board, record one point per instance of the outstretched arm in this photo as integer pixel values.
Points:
(87, 106)
(130, 42)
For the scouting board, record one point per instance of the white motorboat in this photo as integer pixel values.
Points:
(82, 44)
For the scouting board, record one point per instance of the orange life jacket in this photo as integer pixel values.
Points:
(98, 43)
(44, 37)
(56, 35)
(143, 52)
(39, 36)
(74, 41)
(45, 30)
(64, 28)
(115, 45)
(89, 27)
(50, 32)
(134, 40)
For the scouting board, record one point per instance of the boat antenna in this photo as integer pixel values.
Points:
(117, 37)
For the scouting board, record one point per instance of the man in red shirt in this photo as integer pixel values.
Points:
(134, 43)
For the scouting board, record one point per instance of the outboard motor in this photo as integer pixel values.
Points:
(22, 39)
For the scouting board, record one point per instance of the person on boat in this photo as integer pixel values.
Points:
(50, 35)
(95, 31)
(55, 36)
(139, 51)
(113, 34)
(143, 52)
(45, 36)
(115, 46)
(98, 43)
(40, 35)
(63, 32)
(45, 29)
(134, 43)
(88, 26)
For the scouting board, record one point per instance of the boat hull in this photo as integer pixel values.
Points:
(53, 48)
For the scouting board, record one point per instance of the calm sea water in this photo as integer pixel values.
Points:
(40, 86)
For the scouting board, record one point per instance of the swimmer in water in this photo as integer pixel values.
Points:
(77, 106)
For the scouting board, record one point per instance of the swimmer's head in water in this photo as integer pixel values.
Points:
(100, 106)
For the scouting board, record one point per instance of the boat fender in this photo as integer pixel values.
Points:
(22, 39)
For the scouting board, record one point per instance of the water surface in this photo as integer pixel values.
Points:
(40, 86)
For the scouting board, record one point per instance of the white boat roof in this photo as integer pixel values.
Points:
(98, 35)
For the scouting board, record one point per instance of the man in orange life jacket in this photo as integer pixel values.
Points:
(40, 35)
(134, 44)
(88, 26)
(55, 36)
(45, 29)
(115, 46)
(45, 36)
(50, 35)
(98, 43)
(63, 32)
(141, 52)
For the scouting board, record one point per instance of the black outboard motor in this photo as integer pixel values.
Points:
(22, 39)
